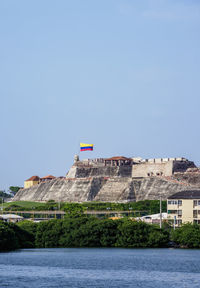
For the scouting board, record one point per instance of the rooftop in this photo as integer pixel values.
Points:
(187, 194)
(10, 216)
(119, 158)
(48, 177)
(33, 178)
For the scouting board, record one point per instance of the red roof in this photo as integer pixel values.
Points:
(33, 178)
(119, 158)
(48, 177)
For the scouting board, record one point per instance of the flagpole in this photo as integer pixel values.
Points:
(79, 149)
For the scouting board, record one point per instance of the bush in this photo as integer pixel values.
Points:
(188, 235)
(85, 231)
(82, 231)
(13, 237)
(140, 234)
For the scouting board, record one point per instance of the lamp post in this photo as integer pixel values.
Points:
(2, 205)
(108, 208)
(160, 212)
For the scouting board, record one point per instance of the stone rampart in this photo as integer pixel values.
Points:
(102, 189)
(101, 171)
(160, 167)
(148, 169)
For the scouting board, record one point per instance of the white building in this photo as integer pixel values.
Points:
(11, 218)
(152, 219)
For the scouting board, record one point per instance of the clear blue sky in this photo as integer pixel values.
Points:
(124, 75)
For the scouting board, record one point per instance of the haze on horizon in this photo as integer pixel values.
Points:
(121, 74)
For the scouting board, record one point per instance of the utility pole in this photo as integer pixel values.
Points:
(174, 222)
(160, 212)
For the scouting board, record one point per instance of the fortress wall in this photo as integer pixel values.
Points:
(105, 171)
(153, 188)
(116, 189)
(151, 168)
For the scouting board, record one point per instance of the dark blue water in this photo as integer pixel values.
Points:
(100, 268)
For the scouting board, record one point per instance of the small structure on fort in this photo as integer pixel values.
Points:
(118, 161)
(47, 178)
(34, 180)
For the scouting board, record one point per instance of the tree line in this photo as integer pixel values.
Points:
(83, 231)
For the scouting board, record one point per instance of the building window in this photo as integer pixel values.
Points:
(194, 213)
(173, 202)
(196, 203)
(180, 202)
(180, 213)
(172, 211)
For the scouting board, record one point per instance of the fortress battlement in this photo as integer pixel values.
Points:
(135, 167)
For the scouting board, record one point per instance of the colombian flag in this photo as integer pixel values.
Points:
(86, 147)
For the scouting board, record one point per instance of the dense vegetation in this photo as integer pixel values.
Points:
(92, 232)
(83, 231)
(145, 207)
(188, 236)
(13, 237)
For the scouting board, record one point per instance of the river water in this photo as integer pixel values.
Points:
(99, 268)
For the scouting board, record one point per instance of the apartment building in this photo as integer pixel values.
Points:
(184, 207)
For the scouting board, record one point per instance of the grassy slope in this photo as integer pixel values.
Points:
(26, 204)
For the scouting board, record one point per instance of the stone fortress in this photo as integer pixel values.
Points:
(117, 179)
(129, 167)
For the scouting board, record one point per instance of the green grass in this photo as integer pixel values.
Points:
(25, 204)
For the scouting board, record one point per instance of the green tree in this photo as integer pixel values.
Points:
(132, 234)
(74, 209)
(13, 237)
(188, 235)
(158, 237)
(48, 234)
(8, 238)
(14, 189)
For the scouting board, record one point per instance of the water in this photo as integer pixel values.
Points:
(99, 268)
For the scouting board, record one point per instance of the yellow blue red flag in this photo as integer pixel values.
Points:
(86, 147)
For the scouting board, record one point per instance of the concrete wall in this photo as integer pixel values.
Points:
(151, 169)
(187, 210)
